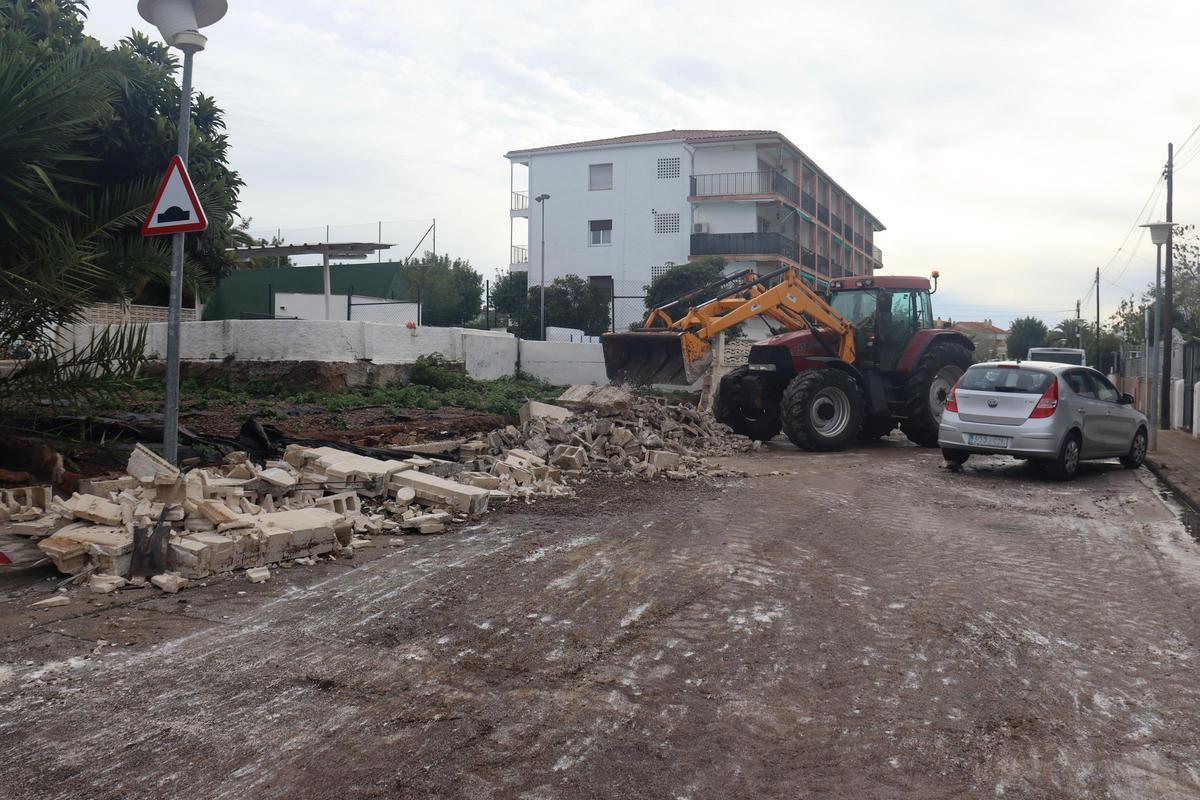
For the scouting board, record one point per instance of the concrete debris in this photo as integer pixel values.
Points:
(258, 574)
(51, 602)
(325, 502)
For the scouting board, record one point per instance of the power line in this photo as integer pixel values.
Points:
(1154, 191)
(1188, 139)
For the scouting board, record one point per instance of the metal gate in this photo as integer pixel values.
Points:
(1191, 374)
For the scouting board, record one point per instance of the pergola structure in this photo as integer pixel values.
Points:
(327, 250)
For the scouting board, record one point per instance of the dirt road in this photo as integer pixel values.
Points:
(863, 625)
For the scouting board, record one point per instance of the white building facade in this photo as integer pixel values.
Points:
(620, 211)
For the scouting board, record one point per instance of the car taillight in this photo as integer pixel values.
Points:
(1049, 402)
(952, 399)
(4, 559)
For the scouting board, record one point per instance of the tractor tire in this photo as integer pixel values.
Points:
(822, 409)
(928, 385)
(727, 408)
(876, 428)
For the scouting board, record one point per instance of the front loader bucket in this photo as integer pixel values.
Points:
(641, 358)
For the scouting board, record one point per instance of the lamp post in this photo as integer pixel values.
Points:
(1159, 232)
(179, 22)
(541, 201)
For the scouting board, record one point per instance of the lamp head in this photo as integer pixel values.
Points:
(1159, 231)
(180, 21)
(541, 197)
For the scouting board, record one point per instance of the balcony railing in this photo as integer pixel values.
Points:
(519, 255)
(858, 241)
(520, 201)
(876, 253)
(848, 229)
(822, 213)
(808, 258)
(808, 202)
(835, 222)
(733, 244)
(823, 265)
(732, 183)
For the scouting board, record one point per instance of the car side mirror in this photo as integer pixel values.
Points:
(1126, 399)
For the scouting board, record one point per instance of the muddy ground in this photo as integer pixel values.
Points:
(862, 625)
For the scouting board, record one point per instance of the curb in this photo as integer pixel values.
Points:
(1164, 473)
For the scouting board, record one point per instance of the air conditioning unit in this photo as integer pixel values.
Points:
(699, 227)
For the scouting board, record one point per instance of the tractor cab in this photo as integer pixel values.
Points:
(886, 312)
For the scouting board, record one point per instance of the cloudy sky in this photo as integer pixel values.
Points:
(1009, 145)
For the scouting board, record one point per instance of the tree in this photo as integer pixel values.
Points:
(1024, 333)
(449, 290)
(985, 345)
(510, 296)
(571, 302)
(681, 279)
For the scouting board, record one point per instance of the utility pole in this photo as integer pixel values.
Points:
(1168, 310)
(1078, 326)
(1098, 364)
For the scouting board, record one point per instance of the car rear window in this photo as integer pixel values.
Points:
(1018, 380)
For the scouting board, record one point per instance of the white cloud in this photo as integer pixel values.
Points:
(1008, 145)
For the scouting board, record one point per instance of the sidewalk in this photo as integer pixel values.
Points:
(1177, 464)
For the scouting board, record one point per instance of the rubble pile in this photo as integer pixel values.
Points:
(175, 527)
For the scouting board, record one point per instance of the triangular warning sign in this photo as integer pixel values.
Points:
(175, 208)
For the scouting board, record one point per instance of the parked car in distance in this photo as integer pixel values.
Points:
(1059, 355)
(1053, 414)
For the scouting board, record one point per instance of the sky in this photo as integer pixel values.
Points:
(1009, 145)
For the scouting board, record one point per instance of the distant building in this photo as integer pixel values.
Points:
(622, 210)
(985, 332)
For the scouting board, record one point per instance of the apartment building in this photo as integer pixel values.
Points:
(622, 210)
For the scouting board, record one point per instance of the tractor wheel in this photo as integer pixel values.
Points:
(727, 408)
(876, 428)
(928, 386)
(822, 409)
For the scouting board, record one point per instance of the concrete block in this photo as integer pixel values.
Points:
(144, 464)
(431, 489)
(169, 582)
(103, 487)
(480, 479)
(662, 459)
(51, 602)
(258, 574)
(94, 509)
(278, 477)
(1177, 404)
(341, 503)
(566, 456)
(535, 410)
(216, 511)
(106, 584)
(605, 400)
(299, 532)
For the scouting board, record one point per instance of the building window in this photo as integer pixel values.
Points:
(666, 223)
(600, 232)
(599, 177)
(658, 270)
(668, 167)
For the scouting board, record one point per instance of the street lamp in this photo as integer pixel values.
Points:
(179, 22)
(1159, 234)
(540, 199)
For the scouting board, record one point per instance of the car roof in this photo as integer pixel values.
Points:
(1048, 366)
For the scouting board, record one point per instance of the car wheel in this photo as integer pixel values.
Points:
(1066, 464)
(1137, 450)
(955, 456)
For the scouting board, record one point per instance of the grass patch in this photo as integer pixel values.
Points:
(434, 384)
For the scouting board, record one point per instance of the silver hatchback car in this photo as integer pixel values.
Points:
(1053, 414)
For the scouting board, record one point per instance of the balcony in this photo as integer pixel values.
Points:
(823, 265)
(744, 244)
(808, 258)
(876, 254)
(835, 224)
(519, 256)
(741, 184)
(808, 202)
(519, 204)
(822, 213)
(848, 229)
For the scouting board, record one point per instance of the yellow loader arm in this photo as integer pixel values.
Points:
(679, 350)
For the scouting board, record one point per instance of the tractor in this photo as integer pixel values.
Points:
(853, 365)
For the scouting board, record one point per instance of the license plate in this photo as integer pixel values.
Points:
(987, 441)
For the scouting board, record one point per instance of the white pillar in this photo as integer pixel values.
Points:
(328, 293)
(1177, 404)
(1196, 410)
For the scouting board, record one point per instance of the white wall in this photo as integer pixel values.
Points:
(486, 354)
(312, 306)
(739, 157)
(563, 362)
(636, 191)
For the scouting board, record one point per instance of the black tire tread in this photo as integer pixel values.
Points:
(727, 410)
(919, 424)
(795, 403)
